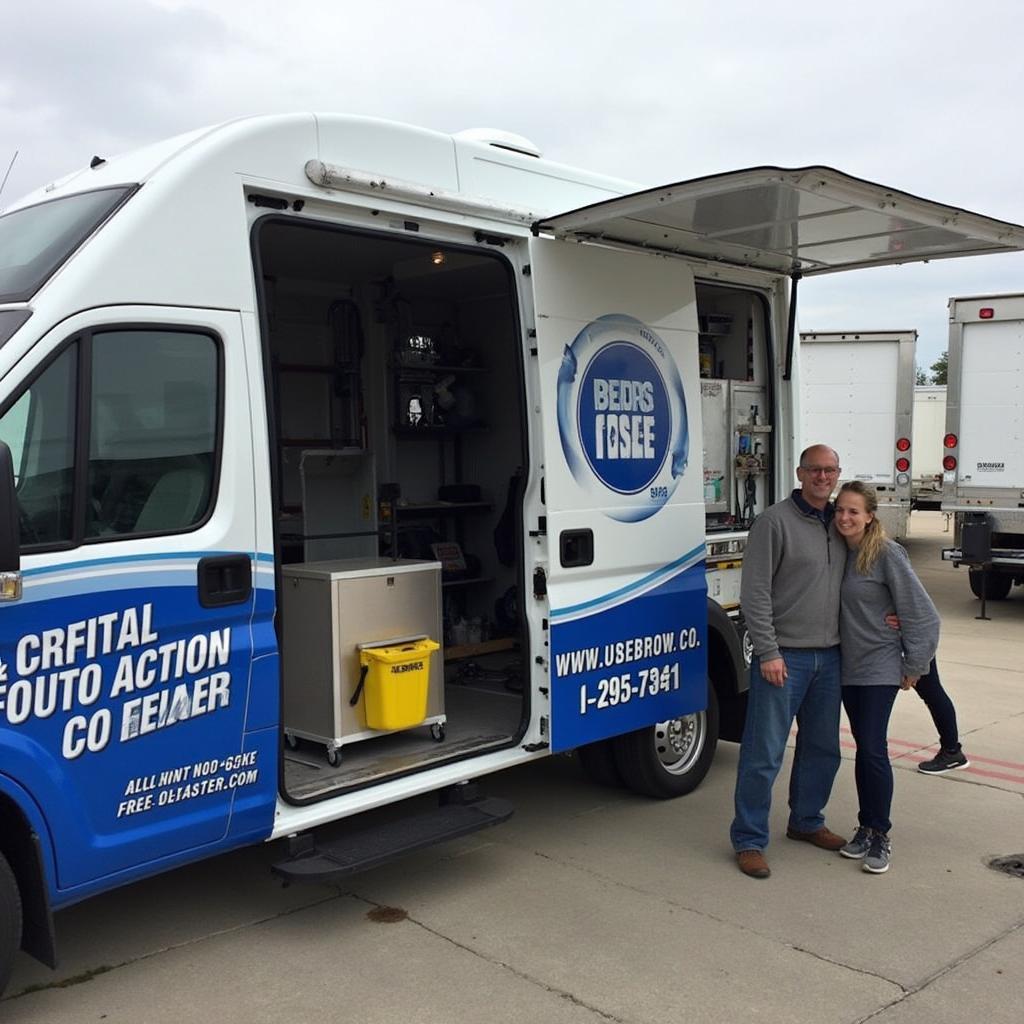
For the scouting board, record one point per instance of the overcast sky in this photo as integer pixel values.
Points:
(922, 96)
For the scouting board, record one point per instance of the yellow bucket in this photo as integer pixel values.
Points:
(397, 683)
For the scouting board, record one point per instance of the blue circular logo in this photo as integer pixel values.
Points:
(624, 418)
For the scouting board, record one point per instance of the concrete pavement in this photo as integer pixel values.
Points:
(592, 904)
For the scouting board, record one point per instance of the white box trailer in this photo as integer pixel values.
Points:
(858, 396)
(929, 429)
(228, 350)
(983, 481)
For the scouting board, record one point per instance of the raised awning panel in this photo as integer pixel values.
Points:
(811, 220)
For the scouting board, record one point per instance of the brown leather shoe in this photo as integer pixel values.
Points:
(752, 863)
(822, 838)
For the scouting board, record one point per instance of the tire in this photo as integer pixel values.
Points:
(598, 760)
(669, 759)
(997, 586)
(10, 921)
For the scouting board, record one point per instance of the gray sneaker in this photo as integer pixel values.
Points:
(858, 845)
(876, 860)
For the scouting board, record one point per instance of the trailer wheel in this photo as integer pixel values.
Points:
(997, 586)
(671, 758)
(10, 921)
(598, 761)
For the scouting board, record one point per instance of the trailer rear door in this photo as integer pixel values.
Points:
(992, 406)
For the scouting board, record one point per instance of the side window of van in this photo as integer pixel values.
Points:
(153, 401)
(39, 428)
(154, 406)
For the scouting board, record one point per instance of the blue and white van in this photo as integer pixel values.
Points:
(288, 401)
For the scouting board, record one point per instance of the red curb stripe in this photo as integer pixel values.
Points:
(993, 775)
(971, 756)
(971, 770)
(932, 748)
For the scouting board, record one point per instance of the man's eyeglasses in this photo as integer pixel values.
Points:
(823, 470)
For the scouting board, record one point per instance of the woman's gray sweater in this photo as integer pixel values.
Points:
(873, 653)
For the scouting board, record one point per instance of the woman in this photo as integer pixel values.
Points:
(877, 660)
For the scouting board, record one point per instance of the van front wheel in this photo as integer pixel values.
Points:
(670, 758)
(10, 921)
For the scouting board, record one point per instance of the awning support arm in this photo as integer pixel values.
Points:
(791, 330)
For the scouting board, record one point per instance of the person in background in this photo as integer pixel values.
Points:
(951, 755)
(792, 569)
(877, 660)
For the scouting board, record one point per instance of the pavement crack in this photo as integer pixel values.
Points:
(505, 966)
(941, 972)
(706, 915)
(855, 970)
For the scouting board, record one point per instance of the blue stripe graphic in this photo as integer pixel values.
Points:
(687, 561)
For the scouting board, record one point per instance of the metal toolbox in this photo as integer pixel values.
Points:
(330, 610)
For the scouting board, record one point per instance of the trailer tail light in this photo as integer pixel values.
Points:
(903, 465)
(986, 313)
(903, 444)
(949, 463)
(949, 441)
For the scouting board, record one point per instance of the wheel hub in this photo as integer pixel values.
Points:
(680, 741)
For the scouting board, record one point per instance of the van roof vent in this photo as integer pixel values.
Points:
(501, 140)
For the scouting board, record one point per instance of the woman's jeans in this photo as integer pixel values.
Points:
(811, 695)
(930, 690)
(868, 709)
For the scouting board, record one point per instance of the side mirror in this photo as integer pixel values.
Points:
(10, 535)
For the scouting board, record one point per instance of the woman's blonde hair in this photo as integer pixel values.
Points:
(874, 535)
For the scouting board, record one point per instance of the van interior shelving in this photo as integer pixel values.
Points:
(397, 390)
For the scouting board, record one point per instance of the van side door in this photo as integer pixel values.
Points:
(617, 351)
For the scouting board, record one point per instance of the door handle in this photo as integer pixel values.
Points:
(224, 580)
(576, 547)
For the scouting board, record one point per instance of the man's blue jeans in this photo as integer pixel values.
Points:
(811, 695)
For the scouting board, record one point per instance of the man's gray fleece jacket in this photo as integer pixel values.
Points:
(792, 572)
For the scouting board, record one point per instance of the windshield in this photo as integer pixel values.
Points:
(36, 240)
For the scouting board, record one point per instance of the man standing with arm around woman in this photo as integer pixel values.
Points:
(876, 660)
(792, 569)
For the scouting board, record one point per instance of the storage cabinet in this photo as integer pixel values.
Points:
(331, 608)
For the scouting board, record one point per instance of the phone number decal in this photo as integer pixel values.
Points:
(621, 689)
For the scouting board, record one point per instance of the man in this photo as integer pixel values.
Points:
(792, 570)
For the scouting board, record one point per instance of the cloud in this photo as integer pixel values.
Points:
(98, 77)
(911, 94)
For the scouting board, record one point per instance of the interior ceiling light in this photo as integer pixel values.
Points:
(437, 258)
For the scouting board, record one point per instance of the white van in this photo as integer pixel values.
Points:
(344, 467)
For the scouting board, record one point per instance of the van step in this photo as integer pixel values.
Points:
(336, 858)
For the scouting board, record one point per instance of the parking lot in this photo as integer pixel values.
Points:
(593, 904)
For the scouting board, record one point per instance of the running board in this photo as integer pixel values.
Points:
(337, 858)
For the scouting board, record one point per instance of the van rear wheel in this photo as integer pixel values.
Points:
(670, 758)
(10, 921)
